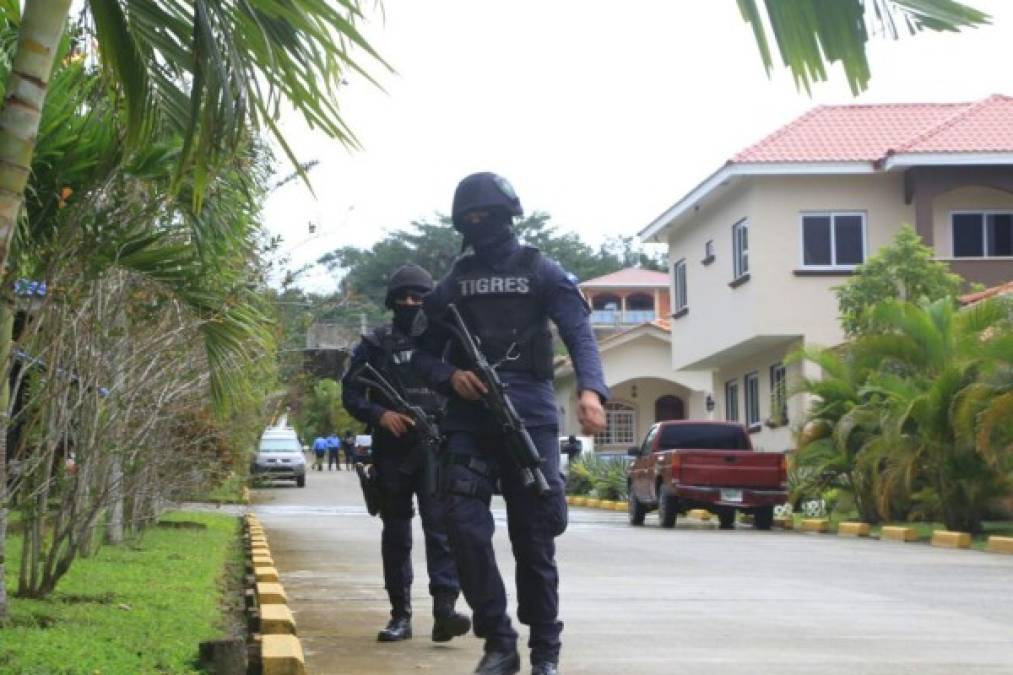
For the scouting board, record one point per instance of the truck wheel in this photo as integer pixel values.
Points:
(726, 519)
(635, 510)
(763, 518)
(668, 506)
(301, 481)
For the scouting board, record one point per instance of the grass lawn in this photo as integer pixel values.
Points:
(140, 608)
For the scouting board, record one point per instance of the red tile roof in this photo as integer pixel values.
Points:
(871, 133)
(631, 276)
(1002, 289)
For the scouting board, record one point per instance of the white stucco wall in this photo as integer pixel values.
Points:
(963, 199)
(774, 301)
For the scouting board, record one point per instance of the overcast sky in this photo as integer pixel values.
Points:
(602, 114)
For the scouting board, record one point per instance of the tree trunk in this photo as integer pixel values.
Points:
(114, 523)
(42, 26)
(6, 329)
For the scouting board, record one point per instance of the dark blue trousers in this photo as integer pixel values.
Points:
(533, 523)
(400, 479)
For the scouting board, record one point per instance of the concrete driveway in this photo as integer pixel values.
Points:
(646, 600)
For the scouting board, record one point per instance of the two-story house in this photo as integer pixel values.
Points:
(630, 316)
(756, 248)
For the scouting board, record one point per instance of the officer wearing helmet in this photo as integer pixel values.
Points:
(398, 466)
(507, 294)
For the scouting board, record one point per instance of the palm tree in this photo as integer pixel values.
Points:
(812, 33)
(929, 361)
(207, 70)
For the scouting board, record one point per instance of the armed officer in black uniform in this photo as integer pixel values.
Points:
(398, 463)
(507, 294)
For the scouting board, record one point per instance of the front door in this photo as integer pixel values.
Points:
(669, 408)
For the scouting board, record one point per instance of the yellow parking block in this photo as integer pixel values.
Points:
(620, 506)
(258, 540)
(276, 620)
(282, 655)
(897, 533)
(265, 573)
(948, 539)
(606, 504)
(853, 529)
(270, 592)
(580, 501)
(815, 525)
(785, 523)
(261, 556)
(593, 503)
(700, 514)
(999, 544)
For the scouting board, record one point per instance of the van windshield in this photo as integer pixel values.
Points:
(280, 445)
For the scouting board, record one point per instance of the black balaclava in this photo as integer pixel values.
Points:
(492, 238)
(404, 317)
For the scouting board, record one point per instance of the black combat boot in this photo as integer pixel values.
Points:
(499, 662)
(398, 628)
(448, 623)
(400, 625)
(545, 668)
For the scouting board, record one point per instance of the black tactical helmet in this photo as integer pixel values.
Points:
(484, 190)
(407, 277)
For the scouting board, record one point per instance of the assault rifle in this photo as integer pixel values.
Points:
(425, 427)
(519, 442)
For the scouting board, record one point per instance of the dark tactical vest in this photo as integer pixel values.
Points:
(505, 311)
(396, 367)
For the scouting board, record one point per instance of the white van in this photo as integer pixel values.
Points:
(280, 456)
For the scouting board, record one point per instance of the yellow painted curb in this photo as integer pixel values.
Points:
(897, 533)
(258, 540)
(606, 504)
(785, 523)
(245, 495)
(593, 503)
(282, 655)
(265, 573)
(700, 514)
(949, 539)
(276, 620)
(998, 544)
(853, 529)
(580, 501)
(815, 525)
(257, 531)
(269, 592)
(569, 499)
(620, 506)
(262, 558)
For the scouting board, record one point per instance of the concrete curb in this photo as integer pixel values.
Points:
(279, 649)
(853, 529)
(997, 544)
(897, 533)
(815, 525)
(947, 539)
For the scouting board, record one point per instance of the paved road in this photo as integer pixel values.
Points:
(646, 600)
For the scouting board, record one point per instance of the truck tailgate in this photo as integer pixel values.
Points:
(730, 468)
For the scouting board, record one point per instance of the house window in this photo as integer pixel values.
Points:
(740, 248)
(752, 381)
(833, 239)
(732, 400)
(778, 394)
(679, 277)
(620, 425)
(982, 234)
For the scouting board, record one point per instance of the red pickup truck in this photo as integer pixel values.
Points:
(701, 464)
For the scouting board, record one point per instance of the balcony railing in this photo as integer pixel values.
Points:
(615, 317)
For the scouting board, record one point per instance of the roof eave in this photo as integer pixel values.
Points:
(719, 177)
(909, 159)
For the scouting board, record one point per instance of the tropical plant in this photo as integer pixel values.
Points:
(598, 477)
(813, 33)
(207, 73)
(929, 359)
(839, 425)
(905, 269)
